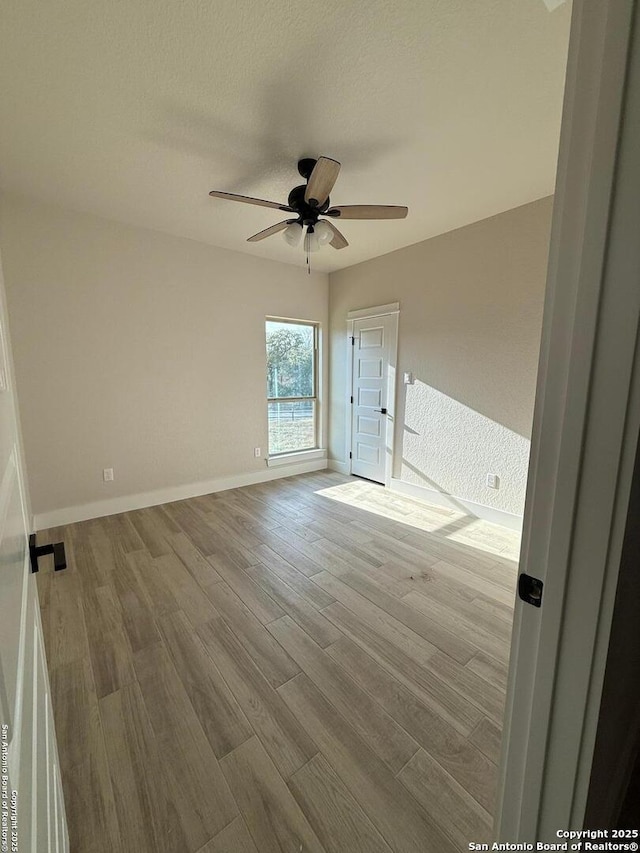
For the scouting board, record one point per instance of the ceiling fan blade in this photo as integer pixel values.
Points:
(368, 211)
(248, 200)
(339, 241)
(269, 231)
(321, 180)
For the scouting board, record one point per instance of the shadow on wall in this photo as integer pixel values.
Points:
(450, 447)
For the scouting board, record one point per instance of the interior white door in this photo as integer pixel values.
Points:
(586, 427)
(373, 339)
(32, 815)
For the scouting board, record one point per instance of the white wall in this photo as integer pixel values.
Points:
(138, 351)
(470, 319)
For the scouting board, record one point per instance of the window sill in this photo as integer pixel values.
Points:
(299, 456)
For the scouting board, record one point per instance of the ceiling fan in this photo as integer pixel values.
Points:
(309, 202)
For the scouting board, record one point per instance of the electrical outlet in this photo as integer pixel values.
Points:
(107, 475)
(257, 452)
(493, 481)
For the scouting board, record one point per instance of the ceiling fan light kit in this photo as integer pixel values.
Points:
(309, 202)
(292, 234)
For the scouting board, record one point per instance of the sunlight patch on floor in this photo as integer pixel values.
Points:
(451, 524)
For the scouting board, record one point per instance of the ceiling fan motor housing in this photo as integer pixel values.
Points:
(307, 214)
(305, 167)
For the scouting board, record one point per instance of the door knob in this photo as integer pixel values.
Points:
(383, 411)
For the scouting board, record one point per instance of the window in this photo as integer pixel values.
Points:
(292, 396)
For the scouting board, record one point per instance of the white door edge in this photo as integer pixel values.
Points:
(585, 433)
(393, 309)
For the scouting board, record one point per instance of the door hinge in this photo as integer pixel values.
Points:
(36, 551)
(530, 589)
(353, 341)
(352, 401)
(350, 455)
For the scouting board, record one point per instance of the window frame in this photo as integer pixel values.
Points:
(314, 398)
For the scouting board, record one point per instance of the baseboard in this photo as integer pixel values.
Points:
(340, 467)
(433, 496)
(112, 506)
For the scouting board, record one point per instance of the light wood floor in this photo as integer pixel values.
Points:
(311, 664)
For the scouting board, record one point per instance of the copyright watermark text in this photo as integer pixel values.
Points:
(585, 840)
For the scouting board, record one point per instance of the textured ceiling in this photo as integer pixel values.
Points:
(135, 109)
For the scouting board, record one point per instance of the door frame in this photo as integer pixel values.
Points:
(390, 309)
(585, 433)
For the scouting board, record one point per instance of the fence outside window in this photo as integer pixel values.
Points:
(292, 348)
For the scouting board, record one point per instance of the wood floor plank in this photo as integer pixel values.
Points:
(379, 730)
(220, 715)
(494, 609)
(199, 567)
(224, 516)
(254, 596)
(271, 659)
(388, 548)
(437, 634)
(234, 838)
(294, 577)
(376, 526)
(137, 614)
(268, 515)
(111, 655)
(314, 551)
(205, 539)
(93, 553)
(292, 555)
(89, 801)
(442, 548)
(231, 542)
(472, 581)
(149, 821)
(487, 736)
(358, 557)
(337, 819)
(163, 518)
(494, 671)
(282, 734)
(302, 530)
(469, 765)
(468, 621)
(154, 584)
(397, 817)
(388, 627)
(102, 545)
(476, 689)
(275, 821)
(452, 706)
(198, 789)
(342, 533)
(172, 573)
(63, 622)
(150, 532)
(122, 530)
(450, 807)
(307, 617)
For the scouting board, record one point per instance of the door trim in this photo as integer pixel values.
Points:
(378, 311)
(391, 309)
(586, 424)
